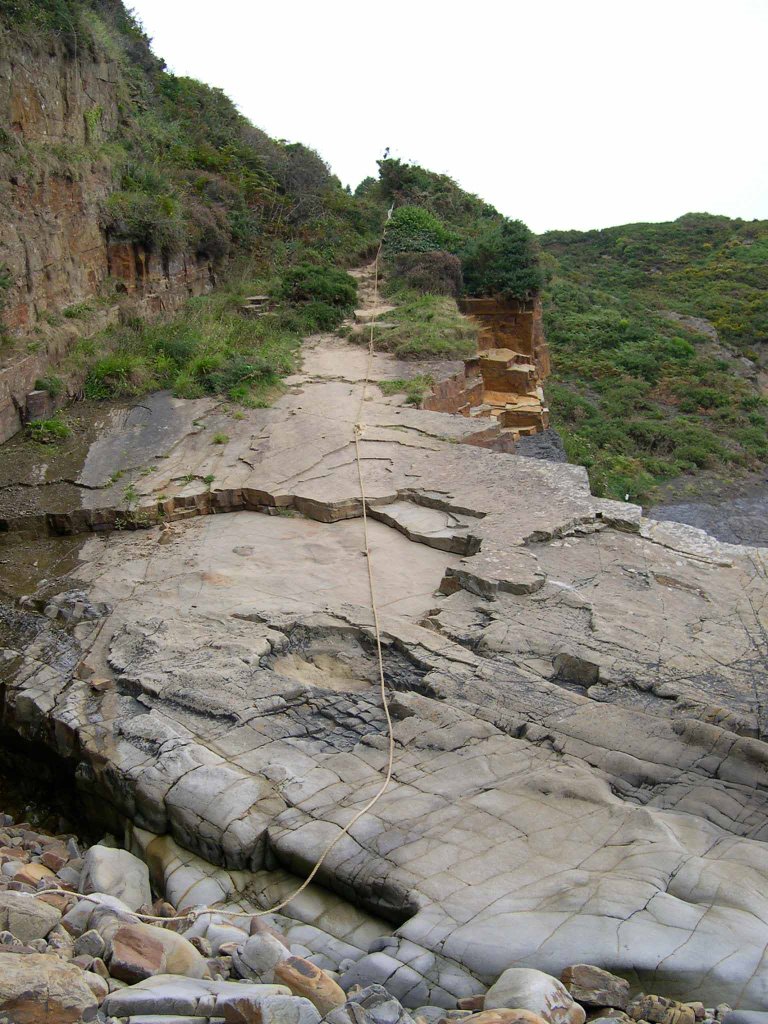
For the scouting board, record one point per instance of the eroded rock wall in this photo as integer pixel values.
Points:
(504, 381)
(60, 112)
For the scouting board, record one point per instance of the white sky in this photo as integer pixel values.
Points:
(565, 113)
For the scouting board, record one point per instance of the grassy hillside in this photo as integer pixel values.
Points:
(642, 390)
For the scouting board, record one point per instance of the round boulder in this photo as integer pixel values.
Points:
(527, 989)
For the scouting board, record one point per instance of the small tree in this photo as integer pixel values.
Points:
(503, 260)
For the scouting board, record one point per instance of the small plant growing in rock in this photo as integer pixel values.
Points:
(220, 439)
(208, 480)
(131, 495)
(49, 431)
(53, 385)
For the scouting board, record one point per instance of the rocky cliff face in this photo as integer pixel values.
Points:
(56, 170)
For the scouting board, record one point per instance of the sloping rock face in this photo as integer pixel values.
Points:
(580, 774)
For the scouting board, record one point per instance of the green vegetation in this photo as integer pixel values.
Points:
(414, 229)
(638, 397)
(78, 311)
(190, 175)
(52, 384)
(502, 260)
(220, 438)
(414, 389)
(437, 231)
(427, 326)
(209, 348)
(48, 431)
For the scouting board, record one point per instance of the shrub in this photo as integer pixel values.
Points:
(48, 431)
(414, 229)
(502, 261)
(154, 221)
(308, 282)
(437, 272)
(120, 376)
(52, 384)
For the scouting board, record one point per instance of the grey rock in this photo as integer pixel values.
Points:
(258, 956)
(527, 989)
(118, 873)
(90, 943)
(26, 918)
(593, 986)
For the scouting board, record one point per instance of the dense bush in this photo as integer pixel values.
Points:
(436, 272)
(154, 221)
(308, 282)
(415, 229)
(502, 261)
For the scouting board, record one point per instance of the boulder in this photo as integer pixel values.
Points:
(236, 1002)
(258, 957)
(31, 874)
(89, 913)
(527, 989)
(306, 979)
(505, 1016)
(659, 1010)
(136, 955)
(380, 1007)
(36, 988)
(593, 986)
(97, 985)
(141, 951)
(25, 917)
(90, 943)
(117, 873)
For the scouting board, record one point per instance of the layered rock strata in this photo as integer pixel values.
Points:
(580, 771)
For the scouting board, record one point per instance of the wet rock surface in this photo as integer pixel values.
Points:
(580, 768)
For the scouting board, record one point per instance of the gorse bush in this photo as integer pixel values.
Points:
(502, 261)
(415, 229)
(155, 222)
(436, 272)
(309, 282)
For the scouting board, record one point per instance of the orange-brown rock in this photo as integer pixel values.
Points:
(31, 874)
(305, 979)
(37, 988)
(505, 1016)
(475, 1003)
(136, 955)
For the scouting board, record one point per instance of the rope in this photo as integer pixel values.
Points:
(358, 430)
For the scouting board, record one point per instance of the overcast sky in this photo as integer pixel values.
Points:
(565, 113)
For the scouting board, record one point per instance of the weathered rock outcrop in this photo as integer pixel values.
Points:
(55, 106)
(503, 382)
(580, 772)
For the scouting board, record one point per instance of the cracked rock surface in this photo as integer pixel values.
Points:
(580, 771)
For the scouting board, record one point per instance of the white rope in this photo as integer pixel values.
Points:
(358, 431)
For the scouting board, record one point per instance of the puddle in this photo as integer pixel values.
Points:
(742, 519)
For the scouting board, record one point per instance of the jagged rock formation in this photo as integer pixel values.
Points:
(580, 770)
(504, 381)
